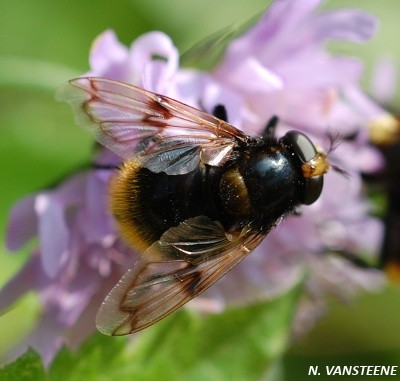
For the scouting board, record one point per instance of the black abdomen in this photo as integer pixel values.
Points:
(165, 200)
(146, 204)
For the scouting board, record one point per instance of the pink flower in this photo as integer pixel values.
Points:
(79, 259)
(278, 67)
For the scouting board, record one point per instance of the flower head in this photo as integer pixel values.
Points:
(278, 67)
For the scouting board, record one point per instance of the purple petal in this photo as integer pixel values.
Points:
(53, 232)
(22, 223)
(284, 29)
(107, 158)
(108, 56)
(155, 77)
(362, 103)
(323, 72)
(214, 94)
(153, 46)
(366, 159)
(250, 75)
(78, 332)
(95, 211)
(28, 278)
(281, 18)
(345, 24)
(70, 191)
(366, 235)
(306, 107)
(189, 86)
(52, 209)
(72, 298)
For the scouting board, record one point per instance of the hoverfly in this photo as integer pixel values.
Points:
(195, 195)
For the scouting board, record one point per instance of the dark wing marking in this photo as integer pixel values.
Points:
(169, 135)
(186, 261)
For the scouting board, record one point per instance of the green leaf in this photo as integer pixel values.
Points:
(240, 343)
(237, 344)
(99, 358)
(209, 51)
(28, 367)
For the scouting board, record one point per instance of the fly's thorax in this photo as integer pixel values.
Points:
(271, 178)
(261, 185)
(273, 182)
(234, 193)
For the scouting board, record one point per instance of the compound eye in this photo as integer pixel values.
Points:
(313, 189)
(301, 145)
(305, 151)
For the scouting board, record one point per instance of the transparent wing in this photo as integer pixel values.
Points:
(169, 135)
(185, 261)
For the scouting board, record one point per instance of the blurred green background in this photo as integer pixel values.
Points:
(45, 42)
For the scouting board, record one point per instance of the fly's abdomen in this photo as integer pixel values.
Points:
(146, 204)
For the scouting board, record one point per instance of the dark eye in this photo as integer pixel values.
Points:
(313, 189)
(302, 147)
